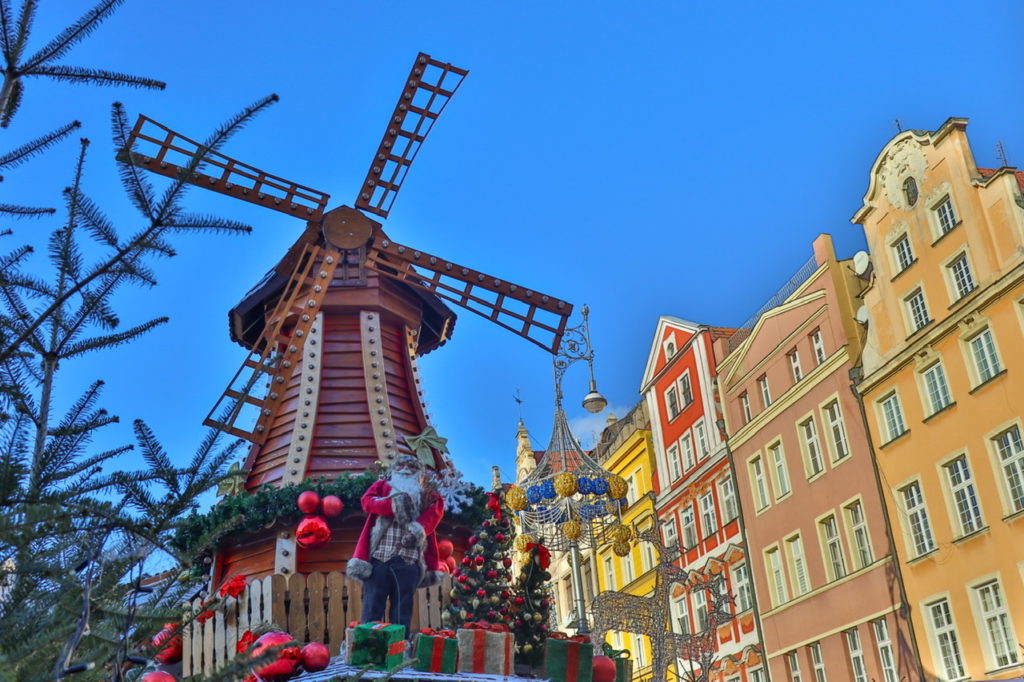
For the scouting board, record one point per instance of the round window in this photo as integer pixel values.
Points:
(910, 191)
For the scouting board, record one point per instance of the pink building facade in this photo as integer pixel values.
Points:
(827, 586)
(695, 493)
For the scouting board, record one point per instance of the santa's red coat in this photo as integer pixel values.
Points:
(379, 517)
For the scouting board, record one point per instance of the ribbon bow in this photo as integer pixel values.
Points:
(558, 635)
(490, 627)
(431, 632)
(582, 639)
(543, 554)
(494, 504)
(614, 653)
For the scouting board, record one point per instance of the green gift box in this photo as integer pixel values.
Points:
(568, 661)
(623, 664)
(436, 654)
(379, 645)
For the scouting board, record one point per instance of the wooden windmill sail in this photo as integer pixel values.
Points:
(334, 330)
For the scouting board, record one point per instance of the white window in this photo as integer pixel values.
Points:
(673, 462)
(745, 404)
(885, 653)
(961, 276)
(741, 581)
(917, 311)
(685, 389)
(938, 388)
(758, 483)
(998, 631)
(965, 496)
(782, 486)
(948, 643)
(859, 531)
(860, 672)
(818, 663)
(670, 349)
(836, 564)
(672, 402)
(798, 562)
(668, 529)
(794, 364)
(648, 556)
(689, 527)
(818, 344)
(793, 663)
(680, 615)
(609, 572)
(983, 348)
(757, 675)
(766, 394)
(700, 609)
(727, 495)
(837, 430)
(809, 433)
(702, 439)
(708, 522)
(1010, 448)
(776, 577)
(638, 650)
(893, 416)
(946, 216)
(904, 255)
(627, 568)
(917, 519)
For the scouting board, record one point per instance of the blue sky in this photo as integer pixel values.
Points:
(645, 158)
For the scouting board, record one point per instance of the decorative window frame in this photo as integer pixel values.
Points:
(826, 558)
(942, 472)
(906, 530)
(682, 397)
(774, 475)
(908, 314)
(776, 599)
(754, 495)
(947, 275)
(970, 328)
(979, 621)
(899, 232)
(883, 424)
(940, 193)
(933, 640)
(802, 444)
(670, 341)
(851, 538)
(789, 540)
(996, 462)
(826, 430)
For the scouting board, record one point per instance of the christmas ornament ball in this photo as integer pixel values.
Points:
(312, 532)
(495, 599)
(520, 601)
(287, 658)
(466, 561)
(538, 617)
(522, 541)
(565, 484)
(463, 578)
(308, 502)
(481, 593)
(506, 562)
(621, 548)
(500, 537)
(168, 644)
(515, 498)
(527, 648)
(603, 669)
(158, 676)
(331, 506)
(453, 594)
(479, 561)
(616, 487)
(492, 574)
(623, 533)
(314, 657)
(572, 529)
(445, 548)
(472, 540)
(483, 535)
(450, 563)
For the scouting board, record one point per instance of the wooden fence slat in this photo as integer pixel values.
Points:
(315, 610)
(337, 619)
(230, 627)
(218, 639)
(244, 600)
(278, 612)
(207, 647)
(354, 605)
(296, 600)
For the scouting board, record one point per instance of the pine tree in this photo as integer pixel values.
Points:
(531, 606)
(482, 583)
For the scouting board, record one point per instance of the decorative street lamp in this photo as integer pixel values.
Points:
(569, 500)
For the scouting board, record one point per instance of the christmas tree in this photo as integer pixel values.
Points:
(531, 606)
(482, 582)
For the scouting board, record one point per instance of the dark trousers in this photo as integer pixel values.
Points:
(396, 580)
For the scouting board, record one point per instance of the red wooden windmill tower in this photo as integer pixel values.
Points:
(334, 330)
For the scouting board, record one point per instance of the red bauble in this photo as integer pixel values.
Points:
(168, 644)
(506, 562)
(332, 506)
(544, 603)
(308, 502)
(500, 537)
(466, 561)
(315, 656)
(450, 563)
(518, 624)
(503, 610)
(519, 601)
(312, 532)
(480, 560)
(504, 523)
(445, 548)
(472, 540)
(481, 593)
(492, 574)
(158, 676)
(463, 578)
(492, 615)
(504, 594)
(486, 524)
(287, 659)
(603, 669)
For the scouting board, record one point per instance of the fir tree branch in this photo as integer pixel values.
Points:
(81, 74)
(20, 155)
(73, 34)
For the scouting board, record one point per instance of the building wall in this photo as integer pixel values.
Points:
(947, 456)
(692, 483)
(803, 480)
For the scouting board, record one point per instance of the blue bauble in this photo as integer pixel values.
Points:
(533, 494)
(548, 490)
(599, 486)
(584, 485)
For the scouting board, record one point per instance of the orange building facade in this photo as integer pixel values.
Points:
(826, 580)
(943, 391)
(695, 494)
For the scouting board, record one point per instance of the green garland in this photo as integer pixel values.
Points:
(238, 515)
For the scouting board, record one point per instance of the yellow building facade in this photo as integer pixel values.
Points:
(942, 388)
(626, 449)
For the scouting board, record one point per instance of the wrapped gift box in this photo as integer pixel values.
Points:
(436, 651)
(379, 645)
(623, 663)
(568, 660)
(485, 649)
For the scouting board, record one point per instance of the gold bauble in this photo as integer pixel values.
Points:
(623, 534)
(565, 484)
(515, 498)
(621, 548)
(522, 541)
(616, 487)
(572, 529)
(527, 648)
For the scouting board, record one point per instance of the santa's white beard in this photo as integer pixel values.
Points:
(410, 484)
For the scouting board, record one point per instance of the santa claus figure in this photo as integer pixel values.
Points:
(397, 550)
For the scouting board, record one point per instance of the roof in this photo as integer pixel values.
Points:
(721, 332)
(989, 172)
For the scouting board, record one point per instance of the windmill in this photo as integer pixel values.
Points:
(334, 330)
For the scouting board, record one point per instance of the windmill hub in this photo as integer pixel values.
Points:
(347, 228)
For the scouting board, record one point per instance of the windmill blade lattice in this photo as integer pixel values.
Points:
(428, 88)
